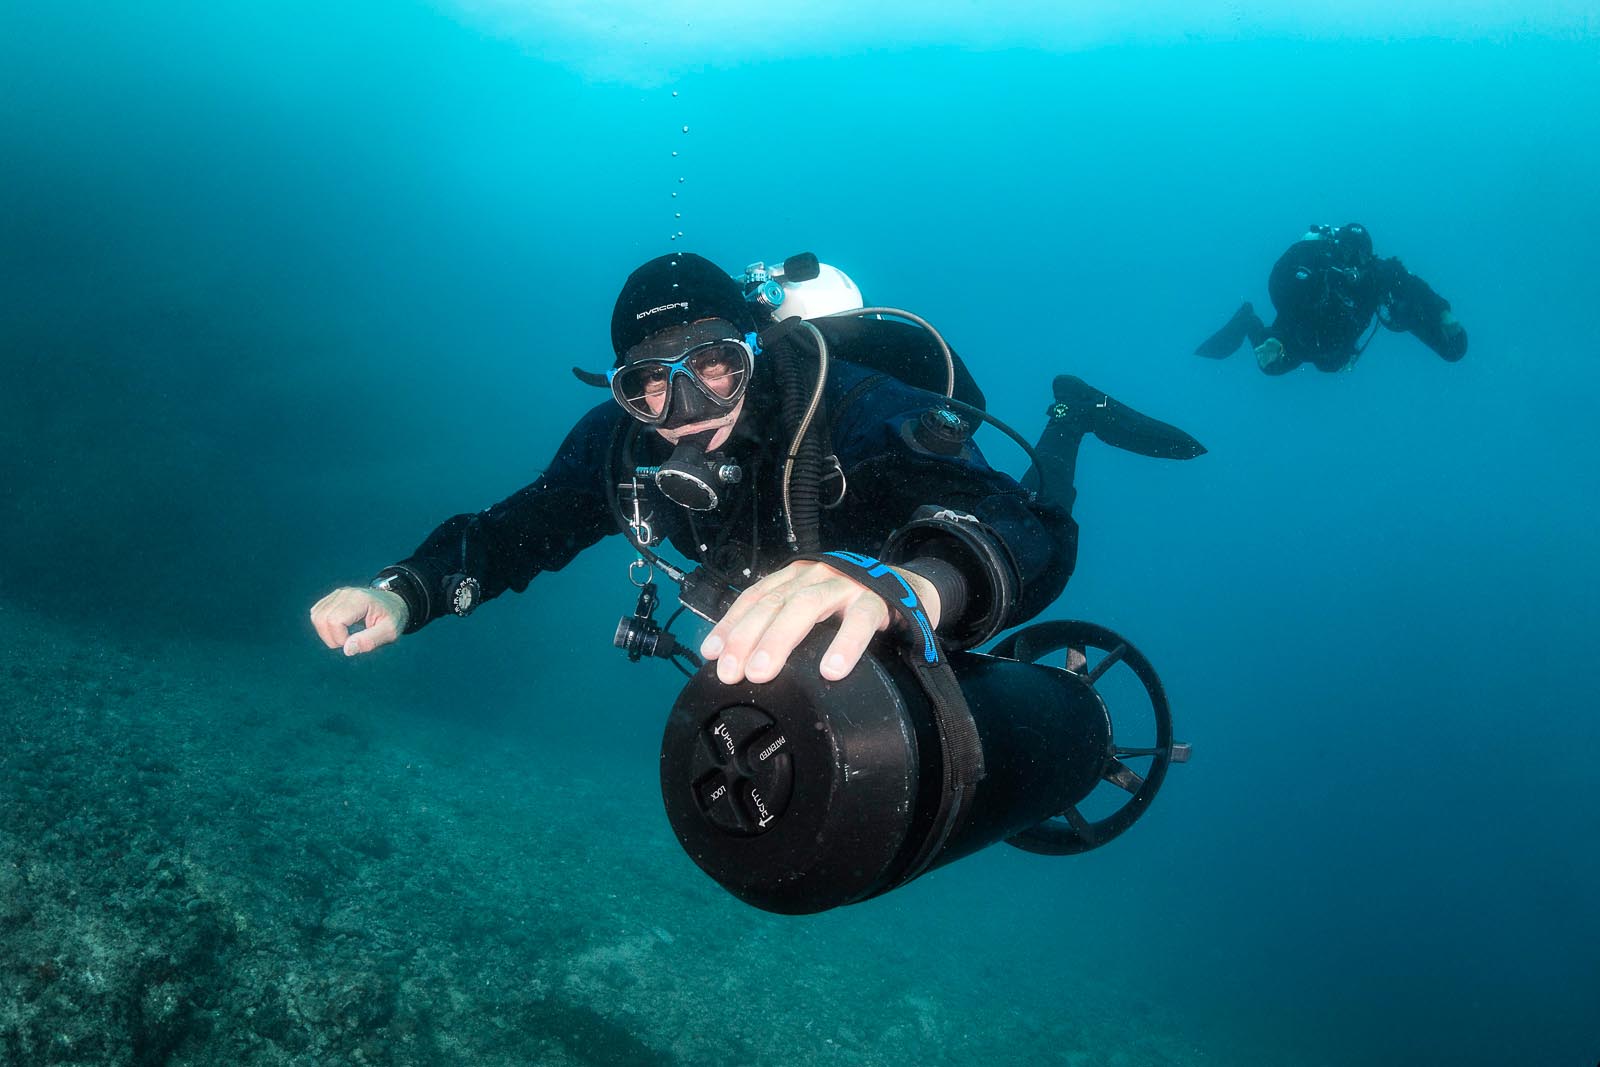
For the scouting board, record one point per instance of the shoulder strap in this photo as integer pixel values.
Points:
(849, 399)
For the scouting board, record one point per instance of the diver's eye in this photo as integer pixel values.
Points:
(645, 388)
(720, 368)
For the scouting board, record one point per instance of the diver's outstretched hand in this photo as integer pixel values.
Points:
(769, 620)
(382, 614)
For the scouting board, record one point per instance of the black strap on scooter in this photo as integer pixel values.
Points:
(960, 747)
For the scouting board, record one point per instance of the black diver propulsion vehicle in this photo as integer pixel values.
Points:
(799, 795)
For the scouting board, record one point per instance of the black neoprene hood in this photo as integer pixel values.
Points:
(670, 291)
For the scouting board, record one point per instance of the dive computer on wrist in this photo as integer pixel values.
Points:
(462, 594)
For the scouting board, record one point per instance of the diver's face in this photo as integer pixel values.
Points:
(686, 379)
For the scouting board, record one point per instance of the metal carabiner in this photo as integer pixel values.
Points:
(638, 521)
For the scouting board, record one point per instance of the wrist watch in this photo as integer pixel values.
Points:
(406, 584)
(387, 583)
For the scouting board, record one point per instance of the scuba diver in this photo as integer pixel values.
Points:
(1326, 289)
(752, 424)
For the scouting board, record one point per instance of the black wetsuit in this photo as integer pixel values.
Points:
(888, 476)
(1324, 310)
(1325, 301)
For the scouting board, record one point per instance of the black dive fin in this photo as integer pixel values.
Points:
(1118, 425)
(1226, 341)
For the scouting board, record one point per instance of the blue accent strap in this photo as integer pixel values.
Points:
(896, 592)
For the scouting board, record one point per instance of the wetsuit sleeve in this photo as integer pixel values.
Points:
(539, 528)
(1411, 306)
(890, 477)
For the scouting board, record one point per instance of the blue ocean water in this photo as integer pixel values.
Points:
(281, 287)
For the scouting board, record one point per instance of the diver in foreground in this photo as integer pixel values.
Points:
(799, 463)
(752, 452)
(1326, 288)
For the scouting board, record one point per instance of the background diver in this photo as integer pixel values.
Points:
(1326, 288)
(751, 438)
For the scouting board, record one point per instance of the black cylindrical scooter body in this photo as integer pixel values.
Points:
(799, 795)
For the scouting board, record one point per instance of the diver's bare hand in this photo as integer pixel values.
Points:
(755, 638)
(382, 613)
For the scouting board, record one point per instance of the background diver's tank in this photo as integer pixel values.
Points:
(799, 795)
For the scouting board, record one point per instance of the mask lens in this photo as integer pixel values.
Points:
(720, 367)
(642, 388)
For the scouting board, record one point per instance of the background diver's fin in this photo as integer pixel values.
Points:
(1226, 341)
(1118, 425)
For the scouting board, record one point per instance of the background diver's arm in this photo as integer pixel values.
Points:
(1411, 306)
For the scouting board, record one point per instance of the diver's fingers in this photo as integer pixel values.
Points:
(383, 615)
(332, 615)
(857, 626)
(827, 594)
(381, 630)
(732, 641)
(739, 641)
(749, 600)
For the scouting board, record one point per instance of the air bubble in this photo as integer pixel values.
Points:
(686, 129)
(680, 181)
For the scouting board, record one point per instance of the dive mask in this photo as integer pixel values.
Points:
(685, 375)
